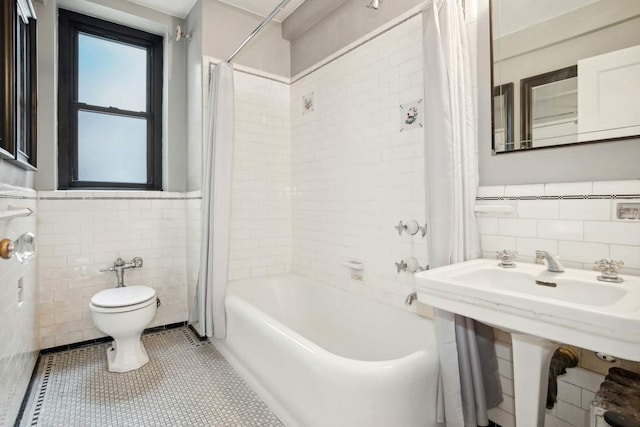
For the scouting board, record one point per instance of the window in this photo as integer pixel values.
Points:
(109, 105)
(18, 83)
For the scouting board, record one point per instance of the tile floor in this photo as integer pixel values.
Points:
(186, 383)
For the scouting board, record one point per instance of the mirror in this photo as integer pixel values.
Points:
(564, 72)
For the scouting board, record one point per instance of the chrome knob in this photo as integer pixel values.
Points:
(401, 266)
(411, 227)
(506, 258)
(410, 265)
(610, 269)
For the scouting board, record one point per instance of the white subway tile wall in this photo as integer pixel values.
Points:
(83, 232)
(580, 231)
(260, 235)
(260, 239)
(355, 174)
(18, 308)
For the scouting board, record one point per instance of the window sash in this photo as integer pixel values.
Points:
(71, 24)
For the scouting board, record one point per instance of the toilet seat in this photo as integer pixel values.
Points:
(123, 299)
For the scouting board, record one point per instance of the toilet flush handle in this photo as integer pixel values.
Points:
(119, 266)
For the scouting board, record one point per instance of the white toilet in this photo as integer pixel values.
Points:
(123, 313)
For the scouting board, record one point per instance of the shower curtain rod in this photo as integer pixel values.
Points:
(268, 19)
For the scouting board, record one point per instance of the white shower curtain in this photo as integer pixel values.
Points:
(216, 205)
(469, 376)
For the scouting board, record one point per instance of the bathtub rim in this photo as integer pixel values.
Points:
(302, 341)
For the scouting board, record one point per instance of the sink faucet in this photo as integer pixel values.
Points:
(119, 266)
(553, 263)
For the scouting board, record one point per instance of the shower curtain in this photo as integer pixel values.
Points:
(469, 371)
(209, 311)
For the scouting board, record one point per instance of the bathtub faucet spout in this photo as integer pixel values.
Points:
(411, 298)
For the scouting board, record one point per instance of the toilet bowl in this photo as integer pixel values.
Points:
(123, 313)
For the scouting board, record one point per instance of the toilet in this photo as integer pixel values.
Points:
(123, 313)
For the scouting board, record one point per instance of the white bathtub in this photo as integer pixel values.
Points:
(320, 356)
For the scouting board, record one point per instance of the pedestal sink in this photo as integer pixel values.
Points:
(541, 310)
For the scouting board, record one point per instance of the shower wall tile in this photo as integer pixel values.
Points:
(260, 239)
(80, 233)
(18, 308)
(355, 174)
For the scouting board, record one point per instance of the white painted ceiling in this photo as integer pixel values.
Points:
(264, 7)
(181, 8)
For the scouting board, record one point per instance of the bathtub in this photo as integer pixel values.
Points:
(319, 356)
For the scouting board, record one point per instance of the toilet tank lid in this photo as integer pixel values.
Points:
(120, 297)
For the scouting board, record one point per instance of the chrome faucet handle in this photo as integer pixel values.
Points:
(410, 265)
(137, 262)
(610, 269)
(506, 258)
(411, 227)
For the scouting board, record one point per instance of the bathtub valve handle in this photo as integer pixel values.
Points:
(410, 265)
(401, 266)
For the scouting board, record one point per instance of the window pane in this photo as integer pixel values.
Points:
(111, 74)
(111, 148)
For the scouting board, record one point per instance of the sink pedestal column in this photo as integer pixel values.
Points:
(531, 359)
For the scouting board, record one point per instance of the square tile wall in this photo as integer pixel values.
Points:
(83, 232)
(354, 174)
(18, 309)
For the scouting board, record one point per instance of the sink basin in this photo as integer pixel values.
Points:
(555, 286)
(541, 309)
(571, 307)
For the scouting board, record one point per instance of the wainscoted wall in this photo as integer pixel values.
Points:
(83, 232)
(578, 222)
(355, 174)
(18, 309)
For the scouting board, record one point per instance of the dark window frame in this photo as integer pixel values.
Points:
(18, 109)
(70, 24)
